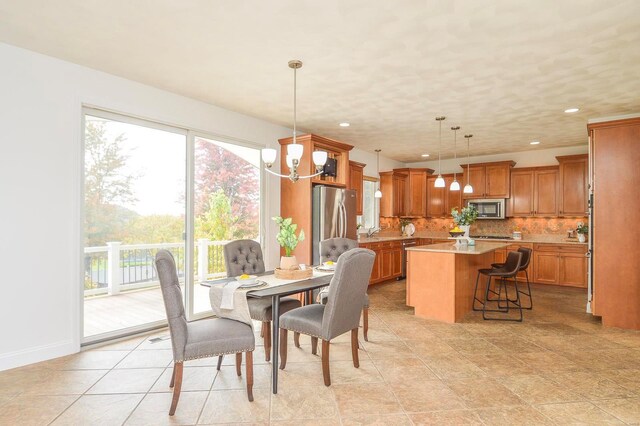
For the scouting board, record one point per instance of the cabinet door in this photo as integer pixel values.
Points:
(399, 194)
(356, 176)
(375, 271)
(573, 269)
(498, 180)
(388, 200)
(521, 201)
(573, 187)
(546, 267)
(386, 264)
(499, 256)
(452, 198)
(417, 194)
(396, 261)
(546, 193)
(477, 181)
(435, 199)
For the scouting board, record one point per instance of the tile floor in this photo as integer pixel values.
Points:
(558, 367)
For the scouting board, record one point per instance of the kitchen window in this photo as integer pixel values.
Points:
(371, 206)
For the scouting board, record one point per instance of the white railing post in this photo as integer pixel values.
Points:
(113, 268)
(203, 258)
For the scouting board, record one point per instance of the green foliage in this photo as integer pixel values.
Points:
(582, 228)
(153, 229)
(218, 222)
(464, 217)
(287, 234)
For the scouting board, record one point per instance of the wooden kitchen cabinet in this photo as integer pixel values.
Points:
(489, 180)
(560, 264)
(404, 192)
(452, 198)
(534, 192)
(500, 256)
(435, 199)
(356, 182)
(574, 170)
(545, 192)
(547, 267)
(573, 269)
(388, 261)
(521, 203)
(416, 192)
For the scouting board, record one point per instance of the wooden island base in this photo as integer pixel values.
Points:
(441, 278)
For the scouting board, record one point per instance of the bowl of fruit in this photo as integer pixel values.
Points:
(329, 264)
(456, 232)
(246, 279)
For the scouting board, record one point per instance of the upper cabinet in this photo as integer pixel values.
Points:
(574, 171)
(404, 192)
(534, 192)
(356, 182)
(392, 185)
(440, 201)
(489, 180)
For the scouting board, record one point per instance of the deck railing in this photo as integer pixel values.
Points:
(116, 267)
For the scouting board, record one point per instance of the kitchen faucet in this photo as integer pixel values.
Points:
(372, 231)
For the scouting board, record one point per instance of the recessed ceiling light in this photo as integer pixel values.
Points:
(425, 155)
(534, 143)
(345, 124)
(570, 110)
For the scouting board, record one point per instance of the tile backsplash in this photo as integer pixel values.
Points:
(527, 225)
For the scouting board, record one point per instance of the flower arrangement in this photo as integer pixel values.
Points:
(582, 228)
(466, 216)
(287, 235)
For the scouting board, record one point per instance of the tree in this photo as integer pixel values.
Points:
(218, 222)
(106, 187)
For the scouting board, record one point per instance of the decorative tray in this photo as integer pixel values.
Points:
(293, 274)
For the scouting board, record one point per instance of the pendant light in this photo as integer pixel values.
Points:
(294, 150)
(455, 186)
(468, 189)
(440, 180)
(378, 193)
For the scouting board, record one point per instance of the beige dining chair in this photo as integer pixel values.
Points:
(332, 249)
(245, 257)
(199, 339)
(339, 315)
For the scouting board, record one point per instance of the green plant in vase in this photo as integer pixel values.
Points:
(583, 231)
(403, 224)
(464, 218)
(288, 241)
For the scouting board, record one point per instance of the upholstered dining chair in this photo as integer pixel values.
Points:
(245, 257)
(339, 315)
(199, 339)
(331, 249)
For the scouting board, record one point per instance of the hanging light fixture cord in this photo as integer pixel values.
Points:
(455, 148)
(295, 105)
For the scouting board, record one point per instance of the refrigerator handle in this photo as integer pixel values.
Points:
(346, 224)
(340, 222)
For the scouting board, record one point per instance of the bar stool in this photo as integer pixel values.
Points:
(509, 270)
(526, 259)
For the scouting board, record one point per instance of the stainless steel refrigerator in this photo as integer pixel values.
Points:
(334, 216)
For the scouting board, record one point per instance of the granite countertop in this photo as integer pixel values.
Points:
(526, 238)
(481, 247)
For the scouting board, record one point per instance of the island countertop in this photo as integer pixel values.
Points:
(481, 247)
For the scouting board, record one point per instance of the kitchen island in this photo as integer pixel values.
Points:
(441, 278)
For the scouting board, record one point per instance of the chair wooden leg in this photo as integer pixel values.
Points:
(296, 339)
(173, 378)
(220, 361)
(267, 340)
(354, 348)
(365, 323)
(177, 373)
(249, 371)
(262, 330)
(325, 363)
(314, 345)
(239, 363)
(283, 348)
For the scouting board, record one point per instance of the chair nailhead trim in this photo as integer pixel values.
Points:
(212, 355)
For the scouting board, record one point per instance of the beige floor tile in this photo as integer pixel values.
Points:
(433, 347)
(149, 344)
(627, 378)
(128, 380)
(19, 380)
(304, 402)
(577, 413)
(548, 362)
(343, 372)
(450, 366)
(233, 406)
(98, 410)
(154, 409)
(591, 385)
(227, 378)
(304, 422)
(403, 370)
(627, 410)
(89, 360)
(372, 398)
(539, 390)
(147, 359)
(193, 379)
(378, 420)
(483, 393)
(450, 417)
(387, 349)
(475, 345)
(508, 416)
(501, 364)
(417, 396)
(514, 344)
(127, 344)
(27, 410)
(297, 373)
(380, 334)
(67, 382)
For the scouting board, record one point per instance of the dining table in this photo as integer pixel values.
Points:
(275, 292)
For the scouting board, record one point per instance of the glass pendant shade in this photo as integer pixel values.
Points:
(319, 158)
(468, 189)
(294, 151)
(289, 162)
(455, 186)
(269, 156)
(439, 182)
(378, 194)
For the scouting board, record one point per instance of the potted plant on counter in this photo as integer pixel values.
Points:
(464, 218)
(288, 240)
(582, 231)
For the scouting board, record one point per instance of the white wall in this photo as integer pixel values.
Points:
(537, 157)
(369, 158)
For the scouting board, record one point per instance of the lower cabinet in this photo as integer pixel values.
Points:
(388, 262)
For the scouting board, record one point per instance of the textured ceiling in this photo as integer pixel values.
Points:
(503, 70)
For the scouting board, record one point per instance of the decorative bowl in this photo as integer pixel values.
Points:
(246, 279)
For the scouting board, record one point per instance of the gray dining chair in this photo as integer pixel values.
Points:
(199, 339)
(332, 249)
(245, 257)
(339, 315)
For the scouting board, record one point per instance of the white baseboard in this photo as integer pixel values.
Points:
(37, 354)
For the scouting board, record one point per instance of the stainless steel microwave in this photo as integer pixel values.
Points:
(489, 208)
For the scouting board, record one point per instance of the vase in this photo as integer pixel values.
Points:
(288, 262)
(465, 228)
(582, 238)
